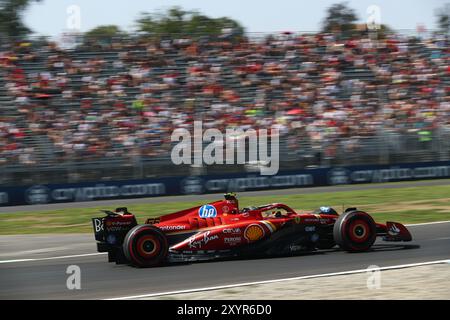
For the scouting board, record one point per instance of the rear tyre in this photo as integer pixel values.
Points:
(146, 246)
(355, 231)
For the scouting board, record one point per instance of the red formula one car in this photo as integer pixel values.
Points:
(221, 230)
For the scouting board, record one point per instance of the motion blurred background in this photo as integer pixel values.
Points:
(101, 105)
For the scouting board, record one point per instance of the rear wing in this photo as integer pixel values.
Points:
(112, 228)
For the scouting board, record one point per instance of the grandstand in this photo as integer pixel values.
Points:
(106, 111)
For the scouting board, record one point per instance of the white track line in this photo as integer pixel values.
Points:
(99, 253)
(425, 223)
(280, 280)
(54, 258)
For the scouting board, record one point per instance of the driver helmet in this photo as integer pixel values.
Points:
(325, 210)
(230, 196)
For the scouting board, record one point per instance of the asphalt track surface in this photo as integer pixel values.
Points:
(46, 279)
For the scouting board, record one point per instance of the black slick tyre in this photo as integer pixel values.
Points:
(146, 246)
(355, 231)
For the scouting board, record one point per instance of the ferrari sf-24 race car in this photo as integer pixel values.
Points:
(221, 230)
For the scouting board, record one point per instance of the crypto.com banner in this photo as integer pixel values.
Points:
(58, 193)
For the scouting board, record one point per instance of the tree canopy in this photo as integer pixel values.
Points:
(339, 18)
(11, 23)
(106, 31)
(177, 21)
(443, 18)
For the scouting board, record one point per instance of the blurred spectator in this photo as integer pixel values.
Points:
(124, 100)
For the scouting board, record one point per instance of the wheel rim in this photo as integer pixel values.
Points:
(359, 231)
(148, 246)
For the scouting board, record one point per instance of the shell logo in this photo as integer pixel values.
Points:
(254, 232)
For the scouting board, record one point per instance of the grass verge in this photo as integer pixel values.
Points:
(405, 205)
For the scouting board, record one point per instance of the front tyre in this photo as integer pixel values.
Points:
(146, 246)
(355, 231)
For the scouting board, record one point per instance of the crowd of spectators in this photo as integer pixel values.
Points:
(125, 99)
(12, 148)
